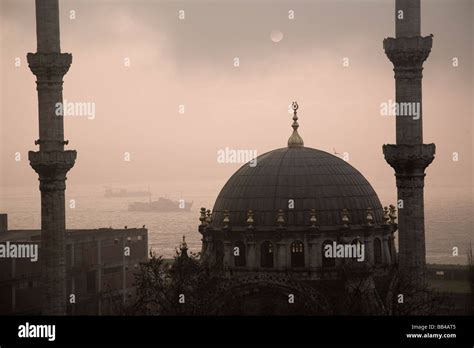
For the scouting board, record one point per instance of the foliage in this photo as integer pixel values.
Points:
(412, 296)
(183, 287)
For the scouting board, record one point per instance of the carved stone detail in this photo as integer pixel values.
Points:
(409, 159)
(408, 54)
(52, 167)
(49, 66)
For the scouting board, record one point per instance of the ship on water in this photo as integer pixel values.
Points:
(161, 205)
(114, 193)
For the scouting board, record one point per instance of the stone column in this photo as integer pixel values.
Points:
(369, 251)
(206, 247)
(407, 23)
(227, 254)
(315, 256)
(252, 255)
(47, 26)
(52, 167)
(409, 157)
(393, 249)
(282, 252)
(51, 162)
(386, 251)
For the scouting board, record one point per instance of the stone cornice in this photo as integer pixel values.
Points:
(279, 234)
(408, 54)
(409, 160)
(52, 167)
(49, 66)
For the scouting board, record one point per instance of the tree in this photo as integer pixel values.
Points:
(183, 287)
(407, 296)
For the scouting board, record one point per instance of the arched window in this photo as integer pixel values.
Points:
(239, 254)
(266, 255)
(297, 254)
(377, 251)
(219, 253)
(328, 261)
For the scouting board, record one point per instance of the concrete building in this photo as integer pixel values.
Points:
(99, 271)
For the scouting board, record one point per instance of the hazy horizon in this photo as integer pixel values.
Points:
(190, 62)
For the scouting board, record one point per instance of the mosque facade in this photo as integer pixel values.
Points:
(299, 221)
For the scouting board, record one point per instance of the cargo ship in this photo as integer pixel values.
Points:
(161, 205)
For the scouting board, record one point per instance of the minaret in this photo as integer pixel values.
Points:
(51, 162)
(409, 157)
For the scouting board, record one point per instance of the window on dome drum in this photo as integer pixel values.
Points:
(297, 254)
(377, 251)
(239, 254)
(266, 255)
(219, 253)
(327, 261)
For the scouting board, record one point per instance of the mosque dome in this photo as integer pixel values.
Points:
(300, 181)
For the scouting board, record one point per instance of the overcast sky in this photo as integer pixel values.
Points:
(190, 62)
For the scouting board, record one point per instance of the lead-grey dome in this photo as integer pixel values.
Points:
(314, 179)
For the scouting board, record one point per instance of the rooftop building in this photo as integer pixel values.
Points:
(100, 267)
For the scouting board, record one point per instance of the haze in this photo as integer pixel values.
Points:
(190, 62)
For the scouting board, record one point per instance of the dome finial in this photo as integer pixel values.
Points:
(184, 248)
(295, 139)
